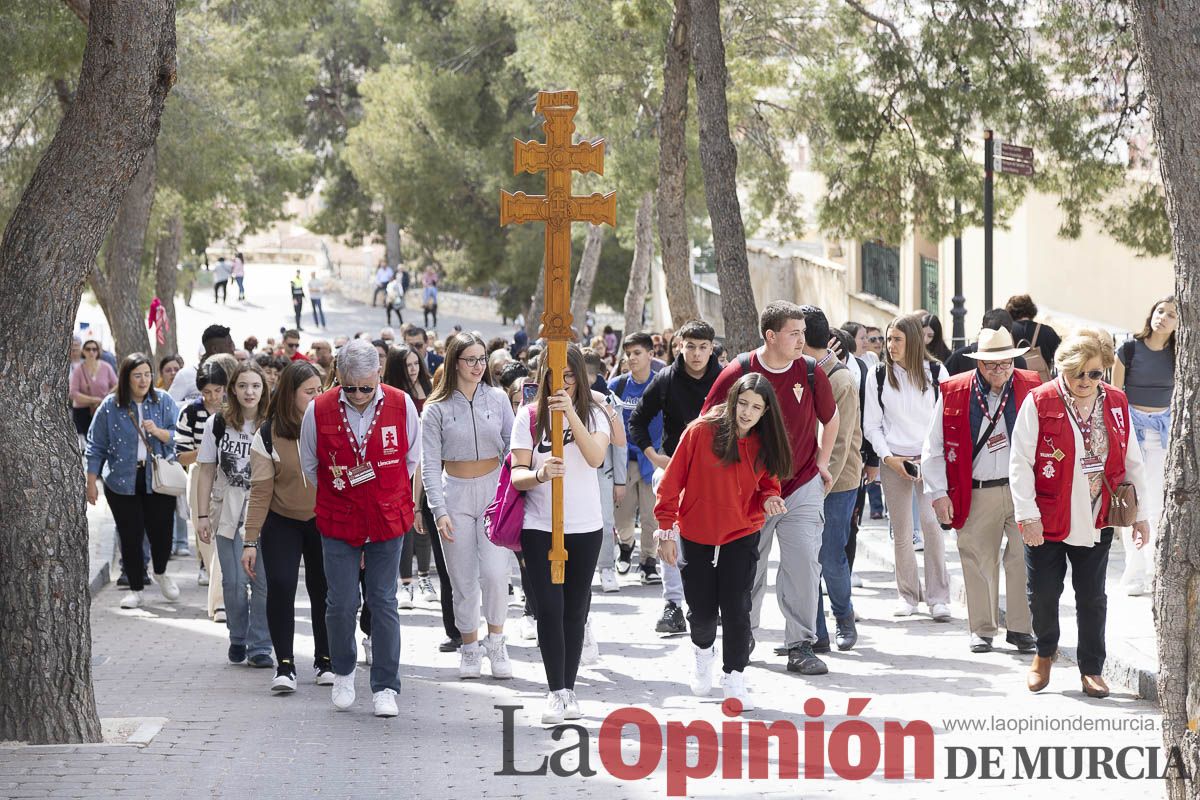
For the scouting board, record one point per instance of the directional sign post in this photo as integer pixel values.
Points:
(1011, 159)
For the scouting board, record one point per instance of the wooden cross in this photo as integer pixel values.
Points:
(558, 208)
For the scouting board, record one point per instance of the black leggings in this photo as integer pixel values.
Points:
(138, 515)
(282, 544)
(725, 588)
(562, 609)
(446, 591)
(220, 291)
(418, 543)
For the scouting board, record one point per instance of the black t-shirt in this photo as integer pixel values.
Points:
(1048, 340)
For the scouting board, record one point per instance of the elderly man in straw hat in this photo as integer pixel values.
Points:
(965, 461)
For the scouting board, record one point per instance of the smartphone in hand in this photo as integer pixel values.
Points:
(529, 391)
(913, 469)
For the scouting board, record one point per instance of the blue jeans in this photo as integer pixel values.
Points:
(1159, 424)
(835, 569)
(241, 282)
(245, 600)
(875, 497)
(181, 530)
(318, 312)
(341, 607)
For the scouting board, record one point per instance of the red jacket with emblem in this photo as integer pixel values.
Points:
(957, 439)
(1056, 431)
(379, 509)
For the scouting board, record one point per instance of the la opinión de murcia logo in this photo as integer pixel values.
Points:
(854, 750)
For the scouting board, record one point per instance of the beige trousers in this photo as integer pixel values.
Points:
(208, 552)
(992, 524)
(898, 494)
(639, 497)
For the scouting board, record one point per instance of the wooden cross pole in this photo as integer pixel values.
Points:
(558, 208)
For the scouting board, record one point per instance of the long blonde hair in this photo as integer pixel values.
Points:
(915, 354)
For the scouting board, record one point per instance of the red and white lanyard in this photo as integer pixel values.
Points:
(359, 448)
(1005, 393)
(1085, 426)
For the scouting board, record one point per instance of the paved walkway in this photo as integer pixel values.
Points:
(225, 735)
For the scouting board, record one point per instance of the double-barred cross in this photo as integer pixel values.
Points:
(558, 208)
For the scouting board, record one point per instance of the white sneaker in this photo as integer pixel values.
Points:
(918, 543)
(702, 677)
(131, 600)
(855, 580)
(385, 703)
(470, 661)
(284, 682)
(940, 612)
(497, 653)
(556, 708)
(1135, 589)
(528, 628)
(571, 709)
(168, 587)
(202, 577)
(734, 685)
(343, 691)
(406, 595)
(219, 615)
(591, 650)
(366, 643)
(608, 581)
(904, 609)
(426, 590)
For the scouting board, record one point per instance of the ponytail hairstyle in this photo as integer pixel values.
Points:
(775, 453)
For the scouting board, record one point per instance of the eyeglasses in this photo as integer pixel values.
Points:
(874, 339)
(996, 366)
(1091, 375)
(359, 389)
(569, 378)
(91, 349)
(474, 361)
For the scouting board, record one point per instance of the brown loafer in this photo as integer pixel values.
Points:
(1039, 673)
(1094, 686)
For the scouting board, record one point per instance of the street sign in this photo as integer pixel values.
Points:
(1012, 159)
(1016, 167)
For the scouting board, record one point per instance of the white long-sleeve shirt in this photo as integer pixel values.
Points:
(1084, 532)
(987, 466)
(900, 426)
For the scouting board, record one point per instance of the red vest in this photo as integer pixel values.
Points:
(379, 509)
(1053, 478)
(957, 443)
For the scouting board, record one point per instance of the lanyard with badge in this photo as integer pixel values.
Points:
(999, 441)
(364, 471)
(1090, 463)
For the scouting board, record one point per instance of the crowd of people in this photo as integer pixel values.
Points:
(681, 464)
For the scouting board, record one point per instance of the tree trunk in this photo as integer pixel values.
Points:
(392, 241)
(1166, 42)
(118, 285)
(585, 278)
(672, 171)
(533, 320)
(643, 257)
(166, 276)
(48, 247)
(718, 161)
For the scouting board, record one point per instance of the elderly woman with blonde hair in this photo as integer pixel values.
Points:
(1071, 449)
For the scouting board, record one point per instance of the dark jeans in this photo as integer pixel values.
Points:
(416, 543)
(562, 608)
(380, 289)
(318, 312)
(282, 544)
(875, 495)
(835, 568)
(142, 515)
(297, 308)
(855, 520)
(395, 309)
(221, 291)
(1046, 566)
(431, 309)
(726, 588)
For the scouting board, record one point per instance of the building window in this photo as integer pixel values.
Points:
(881, 271)
(929, 285)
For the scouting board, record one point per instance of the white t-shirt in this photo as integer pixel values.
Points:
(231, 489)
(581, 489)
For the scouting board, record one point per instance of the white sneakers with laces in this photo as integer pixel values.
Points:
(284, 681)
(702, 677)
(571, 708)
(426, 590)
(497, 653)
(131, 600)
(405, 596)
(385, 703)
(940, 612)
(343, 691)
(608, 581)
(168, 587)
(904, 609)
(556, 708)
(591, 649)
(470, 661)
(734, 686)
(528, 628)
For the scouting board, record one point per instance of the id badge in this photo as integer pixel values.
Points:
(997, 443)
(361, 474)
(1091, 465)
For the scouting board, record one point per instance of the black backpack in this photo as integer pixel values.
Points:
(219, 431)
(935, 367)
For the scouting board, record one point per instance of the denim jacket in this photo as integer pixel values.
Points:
(112, 440)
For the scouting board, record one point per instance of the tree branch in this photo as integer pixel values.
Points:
(887, 23)
(81, 9)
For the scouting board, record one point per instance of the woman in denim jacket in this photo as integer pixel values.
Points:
(131, 426)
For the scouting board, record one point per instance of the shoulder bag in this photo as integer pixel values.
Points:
(166, 476)
(505, 516)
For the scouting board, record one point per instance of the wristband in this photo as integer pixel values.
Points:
(251, 545)
(537, 476)
(202, 516)
(664, 536)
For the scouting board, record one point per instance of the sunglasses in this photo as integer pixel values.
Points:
(1091, 375)
(359, 389)
(874, 339)
(291, 345)
(474, 361)
(91, 349)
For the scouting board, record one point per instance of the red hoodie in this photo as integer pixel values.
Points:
(714, 503)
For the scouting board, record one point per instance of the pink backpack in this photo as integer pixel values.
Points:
(505, 516)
